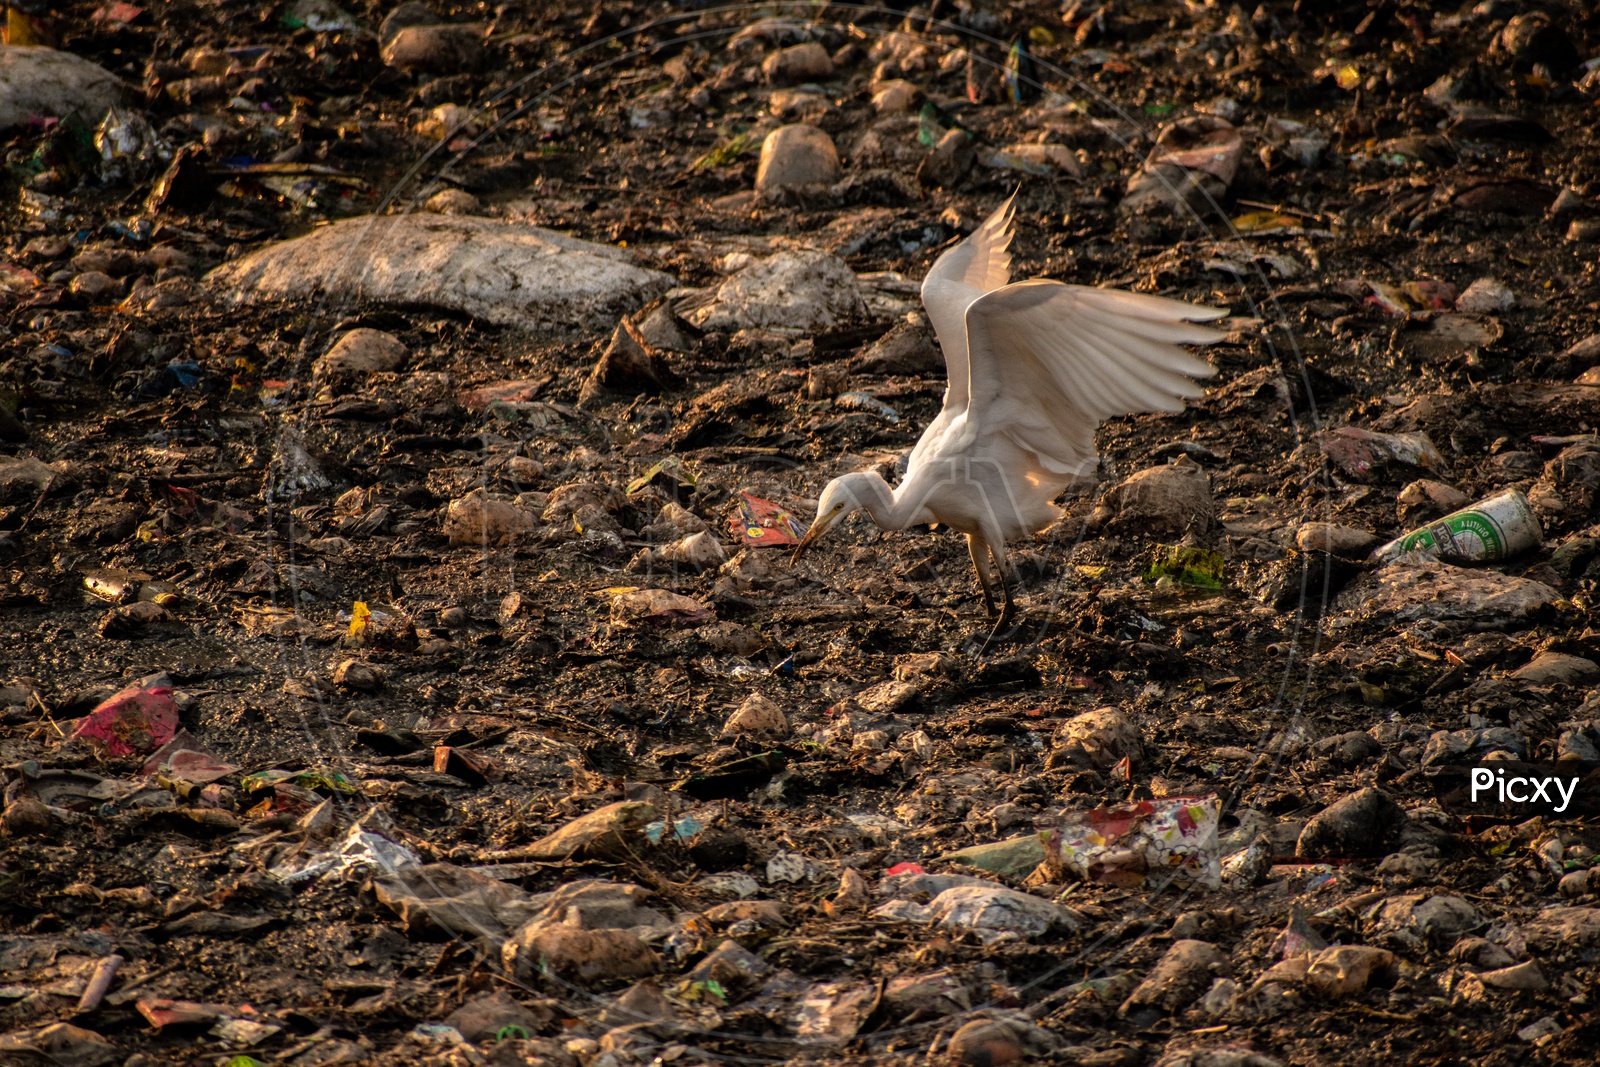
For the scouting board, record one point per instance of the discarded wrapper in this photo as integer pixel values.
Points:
(1129, 843)
(139, 719)
(1491, 529)
(761, 522)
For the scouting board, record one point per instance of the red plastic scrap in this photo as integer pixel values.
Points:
(761, 522)
(138, 720)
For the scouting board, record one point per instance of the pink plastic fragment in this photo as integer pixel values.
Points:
(137, 720)
(904, 868)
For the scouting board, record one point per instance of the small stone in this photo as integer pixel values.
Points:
(1179, 978)
(949, 161)
(453, 202)
(95, 285)
(731, 964)
(798, 154)
(1526, 976)
(827, 381)
(1102, 738)
(798, 63)
(438, 49)
(894, 97)
(481, 520)
(1486, 296)
(1584, 231)
(1345, 541)
(757, 717)
(362, 351)
(1428, 499)
(1346, 970)
(485, 1016)
(1169, 500)
(1558, 668)
(628, 366)
(358, 677)
(28, 817)
(575, 954)
(1365, 823)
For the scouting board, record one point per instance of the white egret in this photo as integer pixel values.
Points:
(1034, 367)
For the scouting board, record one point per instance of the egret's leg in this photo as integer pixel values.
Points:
(1008, 608)
(978, 549)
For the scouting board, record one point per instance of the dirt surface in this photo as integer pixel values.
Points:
(1398, 206)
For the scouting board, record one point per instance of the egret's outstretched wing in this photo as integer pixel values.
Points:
(1050, 361)
(976, 266)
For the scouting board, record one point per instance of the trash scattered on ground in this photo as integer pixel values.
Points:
(421, 388)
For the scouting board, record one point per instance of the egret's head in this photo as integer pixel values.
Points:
(838, 500)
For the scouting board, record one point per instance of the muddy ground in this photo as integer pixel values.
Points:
(213, 506)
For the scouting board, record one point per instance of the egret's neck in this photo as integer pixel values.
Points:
(879, 500)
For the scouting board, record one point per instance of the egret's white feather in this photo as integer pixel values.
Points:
(980, 264)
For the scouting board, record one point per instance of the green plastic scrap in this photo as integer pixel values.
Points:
(672, 467)
(511, 1032)
(727, 152)
(1200, 568)
(243, 1061)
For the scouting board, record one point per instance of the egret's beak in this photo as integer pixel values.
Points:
(813, 535)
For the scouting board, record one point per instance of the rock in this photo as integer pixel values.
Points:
(701, 551)
(803, 291)
(438, 49)
(1015, 858)
(1407, 592)
(27, 817)
(756, 717)
(909, 347)
(1486, 296)
(482, 1018)
(1524, 977)
(1426, 499)
(568, 500)
(949, 161)
(510, 275)
(481, 520)
(933, 993)
(797, 154)
(410, 13)
(993, 913)
(999, 1042)
(1168, 500)
(1531, 39)
(44, 82)
(1345, 541)
(607, 832)
(852, 890)
(1215, 1057)
(1102, 737)
(1583, 231)
(894, 97)
(1439, 919)
(797, 63)
(1557, 668)
(453, 202)
(597, 905)
(362, 351)
(629, 366)
(60, 1044)
(577, 955)
(1365, 823)
(1345, 970)
(96, 286)
(1178, 978)
(655, 608)
(731, 964)
(358, 677)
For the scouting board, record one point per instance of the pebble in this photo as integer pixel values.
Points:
(358, 677)
(798, 154)
(949, 161)
(1486, 296)
(95, 285)
(798, 63)
(362, 351)
(453, 202)
(1365, 823)
(1345, 970)
(895, 96)
(757, 716)
(439, 49)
